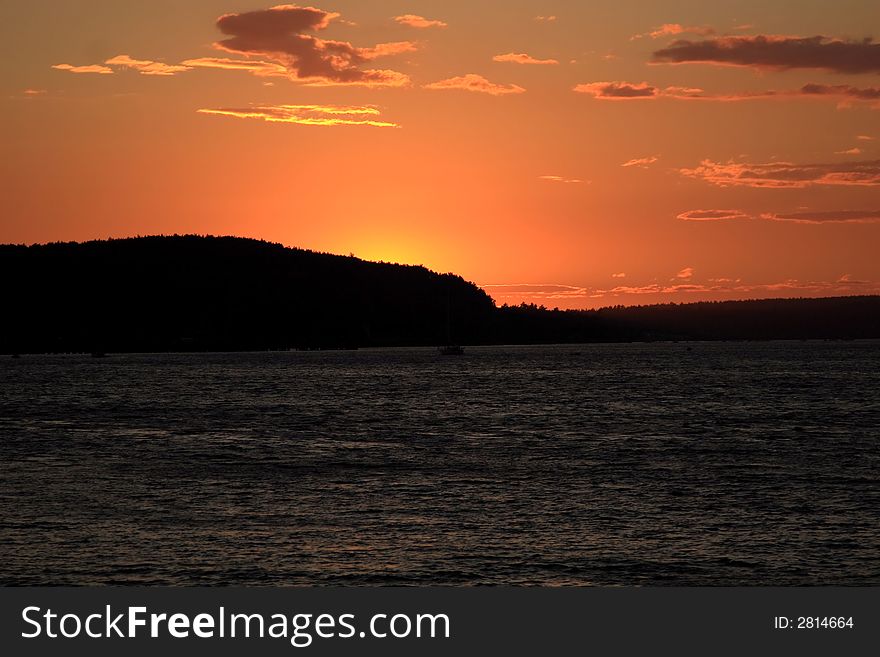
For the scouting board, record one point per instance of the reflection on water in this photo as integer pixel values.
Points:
(740, 463)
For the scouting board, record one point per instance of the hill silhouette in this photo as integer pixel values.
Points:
(192, 293)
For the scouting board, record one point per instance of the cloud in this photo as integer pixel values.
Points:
(833, 217)
(864, 138)
(420, 22)
(826, 217)
(712, 215)
(842, 90)
(283, 34)
(31, 93)
(474, 82)
(619, 275)
(389, 49)
(522, 58)
(669, 29)
(685, 274)
(91, 68)
(256, 67)
(782, 175)
(840, 285)
(146, 66)
(642, 162)
(541, 292)
(850, 151)
(776, 52)
(314, 115)
(617, 90)
(545, 19)
(560, 179)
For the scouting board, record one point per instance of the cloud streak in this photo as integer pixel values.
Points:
(550, 293)
(776, 52)
(259, 68)
(786, 175)
(671, 29)
(641, 162)
(523, 58)
(832, 217)
(312, 115)
(561, 179)
(476, 83)
(712, 215)
(146, 66)
(620, 90)
(616, 90)
(803, 217)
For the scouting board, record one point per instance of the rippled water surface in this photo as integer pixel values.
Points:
(727, 463)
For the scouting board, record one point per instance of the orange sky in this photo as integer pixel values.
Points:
(568, 153)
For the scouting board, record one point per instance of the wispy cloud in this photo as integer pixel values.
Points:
(523, 58)
(620, 90)
(712, 215)
(800, 217)
(621, 274)
(835, 216)
(420, 22)
(782, 175)
(476, 83)
(90, 68)
(642, 162)
(719, 287)
(545, 19)
(312, 115)
(259, 68)
(685, 274)
(616, 90)
(146, 66)
(561, 179)
(670, 29)
(776, 52)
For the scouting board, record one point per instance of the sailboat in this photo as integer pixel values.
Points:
(450, 349)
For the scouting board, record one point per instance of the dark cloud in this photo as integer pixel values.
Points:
(776, 52)
(285, 34)
(619, 90)
(841, 90)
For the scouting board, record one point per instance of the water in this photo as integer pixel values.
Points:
(710, 464)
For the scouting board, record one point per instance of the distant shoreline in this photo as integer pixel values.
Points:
(184, 294)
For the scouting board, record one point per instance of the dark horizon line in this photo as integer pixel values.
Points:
(422, 266)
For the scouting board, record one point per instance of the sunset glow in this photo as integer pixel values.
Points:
(567, 154)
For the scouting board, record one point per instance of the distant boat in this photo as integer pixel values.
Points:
(450, 349)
